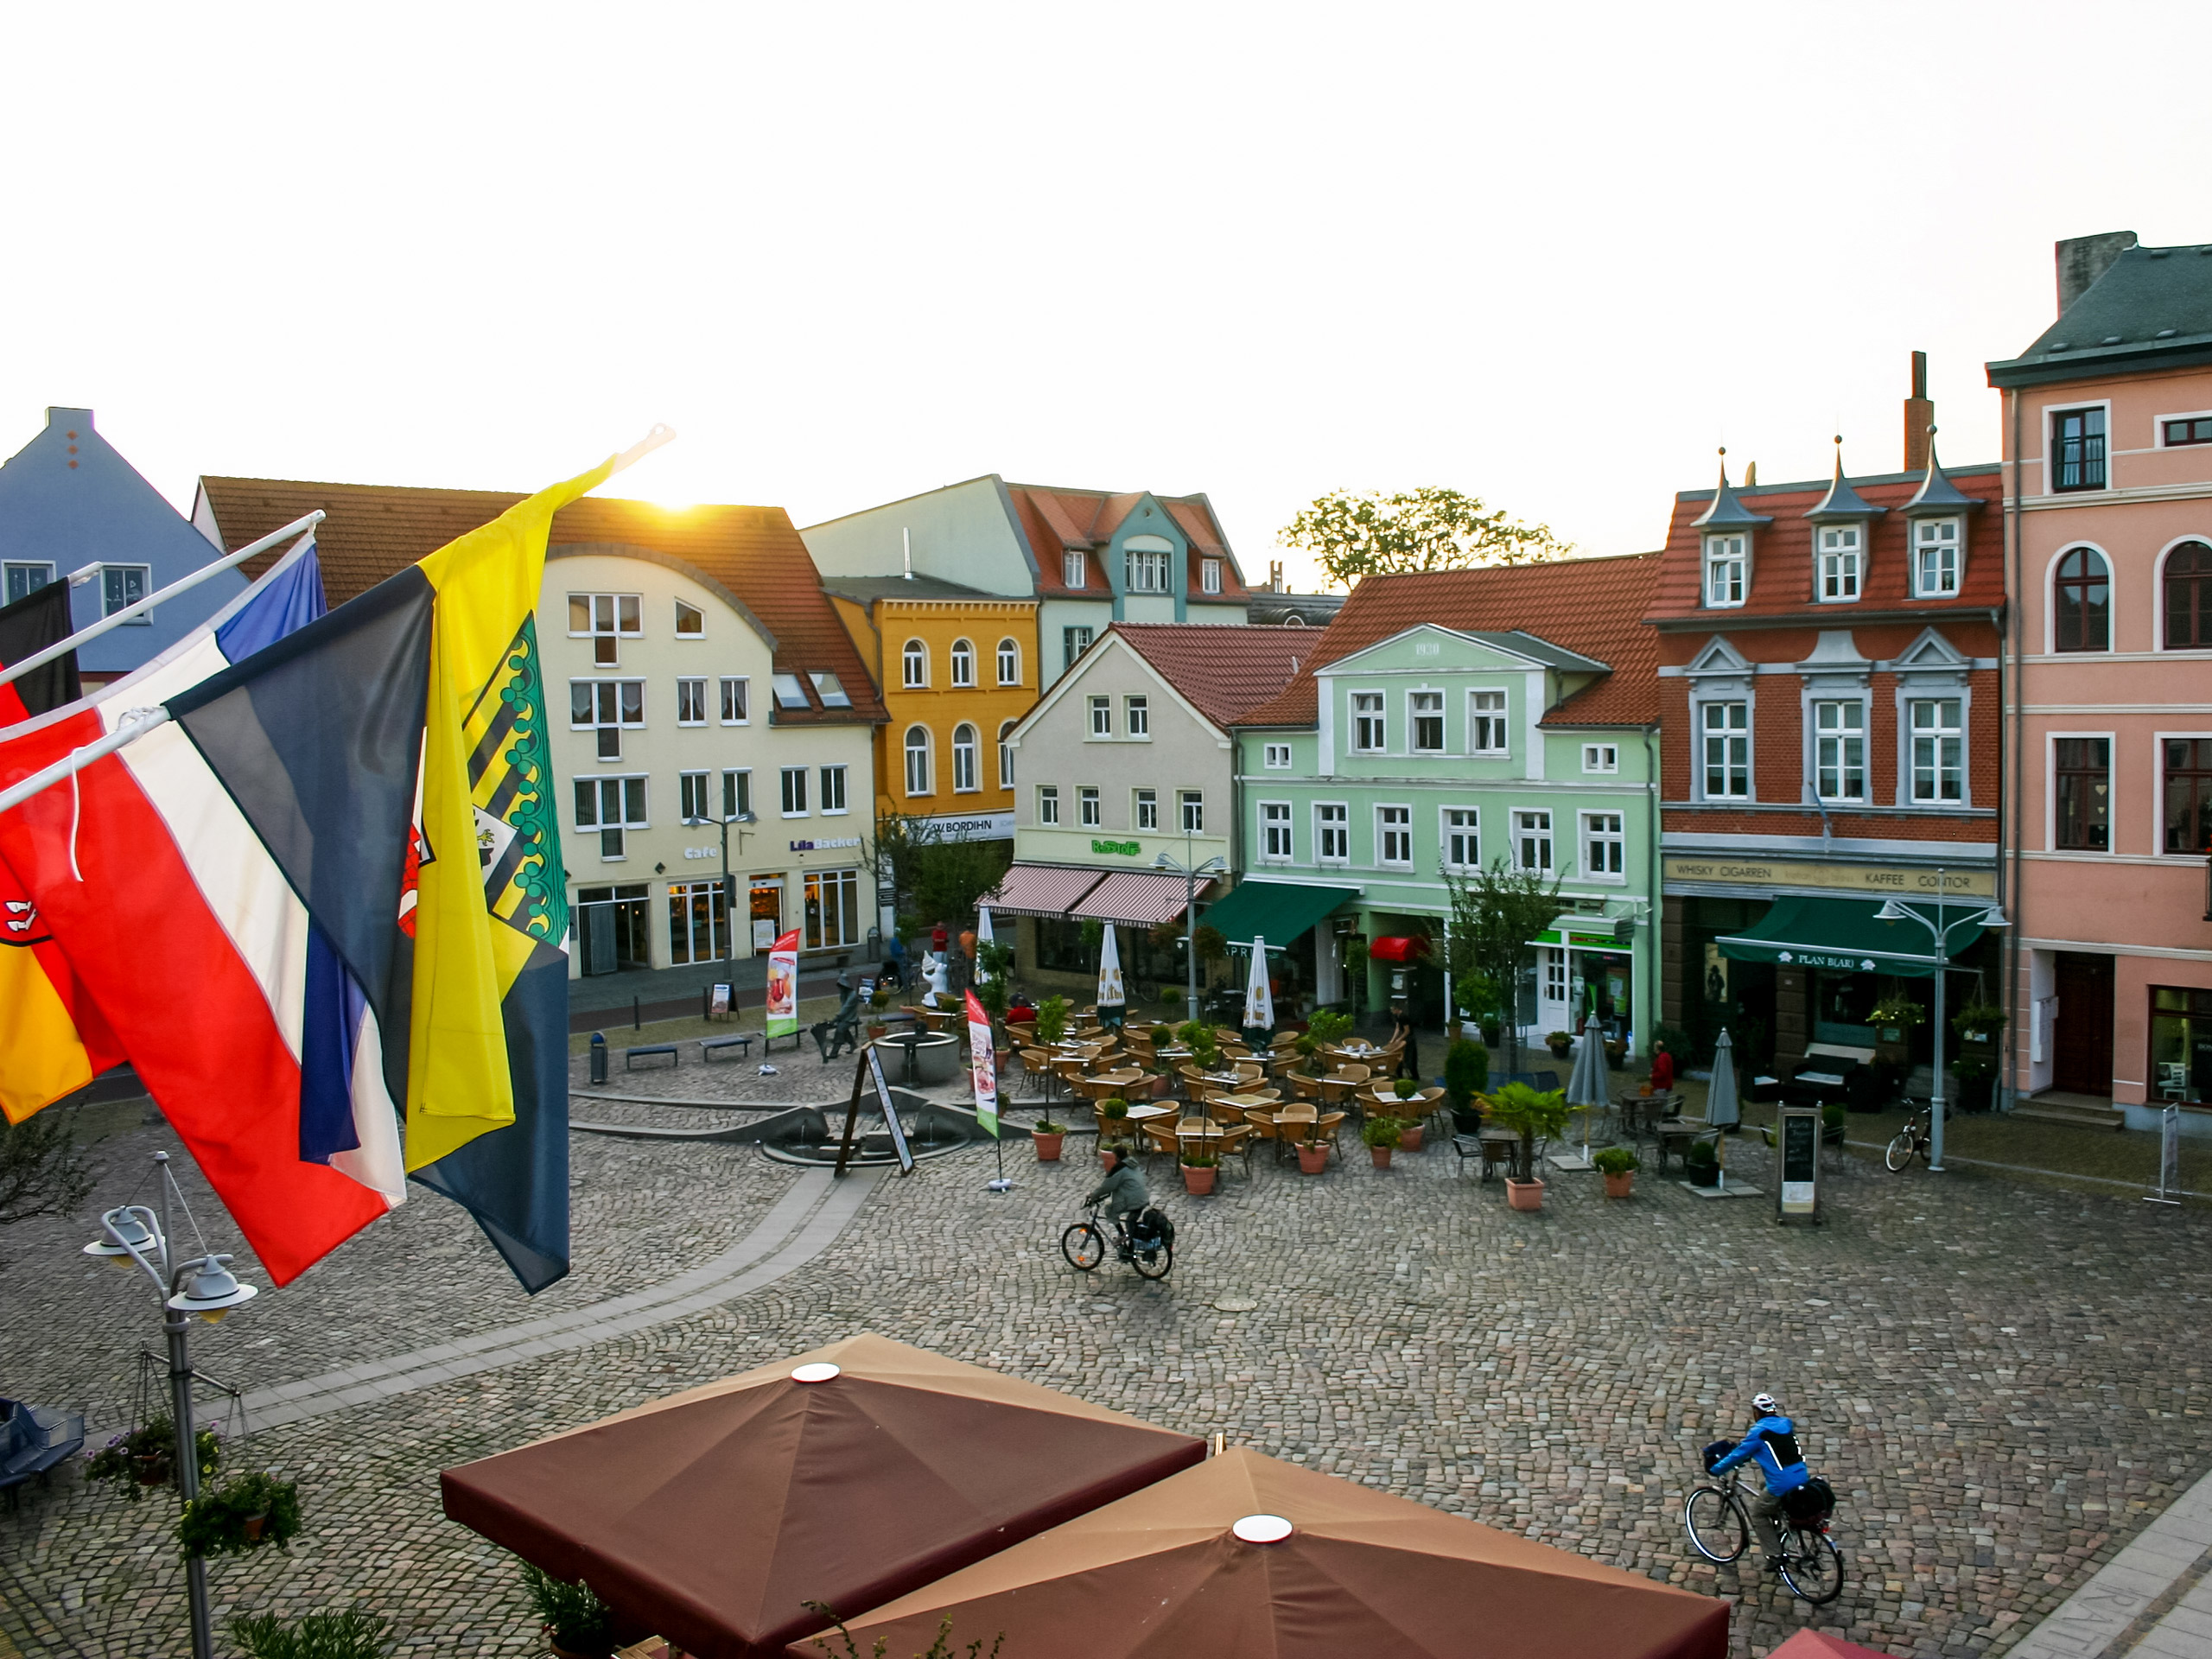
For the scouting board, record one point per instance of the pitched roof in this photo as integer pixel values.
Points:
(1592, 607)
(2151, 310)
(1220, 670)
(865, 590)
(1057, 520)
(374, 530)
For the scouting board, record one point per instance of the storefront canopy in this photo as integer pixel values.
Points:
(1136, 897)
(1043, 890)
(1277, 911)
(1847, 935)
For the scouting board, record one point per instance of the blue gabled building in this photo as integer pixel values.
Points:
(69, 502)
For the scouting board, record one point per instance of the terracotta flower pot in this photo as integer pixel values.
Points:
(151, 1468)
(876, 1032)
(560, 1652)
(1048, 1147)
(1524, 1195)
(1381, 1156)
(1311, 1161)
(1620, 1185)
(252, 1525)
(1409, 1139)
(1199, 1182)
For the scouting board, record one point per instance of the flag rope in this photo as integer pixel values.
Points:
(137, 724)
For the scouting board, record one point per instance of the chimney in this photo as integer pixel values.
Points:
(906, 551)
(1919, 415)
(1751, 474)
(2082, 259)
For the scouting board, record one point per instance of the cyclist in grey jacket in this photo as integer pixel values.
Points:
(1123, 1191)
(1772, 1444)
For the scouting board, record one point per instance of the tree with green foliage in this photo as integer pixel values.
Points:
(42, 1169)
(936, 879)
(1368, 533)
(1495, 911)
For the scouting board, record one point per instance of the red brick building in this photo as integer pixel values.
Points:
(1830, 718)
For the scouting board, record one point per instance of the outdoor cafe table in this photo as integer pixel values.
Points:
(1358, 1053)
(1153, 1114)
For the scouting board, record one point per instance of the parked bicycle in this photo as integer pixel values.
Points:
(1720, 1530)
(1149, 1248)
(1912, 1140)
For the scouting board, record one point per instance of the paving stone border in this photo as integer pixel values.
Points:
(2093, 1620)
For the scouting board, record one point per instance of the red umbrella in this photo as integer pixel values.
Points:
(1247, 1558)
(1818, 1644)
(847, 1476)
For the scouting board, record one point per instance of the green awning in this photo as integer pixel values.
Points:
(1845, 934)
(1277, 911)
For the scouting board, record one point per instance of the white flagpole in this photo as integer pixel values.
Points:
(136, 724)
(39, 660)
(644, 447)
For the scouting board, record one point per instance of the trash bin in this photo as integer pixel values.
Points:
(599, 1057)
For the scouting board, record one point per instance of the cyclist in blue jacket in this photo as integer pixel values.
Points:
(1772, 1444)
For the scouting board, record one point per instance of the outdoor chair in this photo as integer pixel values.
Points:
(1303, 1085)
(1236, 1141)
(1158, 1135)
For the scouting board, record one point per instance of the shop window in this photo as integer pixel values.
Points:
(1727, 750)
(1486, 723)
(1425, 709)
(1462, 846)
(2082, 792)
(2189, 597)
(2081, 602)
(1554, 975)
(1369, 730)
(1842, 1005)
(1275, 831)
(2188, 793)
(766, 911)
(1938, 752)
(833, 909)
(1839, 750)
(1333, 833)
(2181, 1043)
(1394, 836)
(698, 921)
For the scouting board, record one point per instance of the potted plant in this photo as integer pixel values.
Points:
(578, 1624)
(1205, 1048)
(1701, 1164)
(1618, 1165)
(878, 1001)
(1199, 1169)
(1529, 1114)
(1052, 1022)
(243, 1513)
(1113, 1123)
(1381, 1135)
(1559, 1042)
(1313, 1151)
(1977, 1075)
(1616, 1052)
(1893, 1018)
(355, 1633)
(1047, 1136)
(146, 1457)
(1466, 1074)
(1832, 1122)
(1978, 1022)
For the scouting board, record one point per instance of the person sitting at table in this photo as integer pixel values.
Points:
(1663, 1069)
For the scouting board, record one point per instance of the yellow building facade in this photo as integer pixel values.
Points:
(957, 668)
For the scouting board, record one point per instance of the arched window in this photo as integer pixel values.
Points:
(963, 758)
(2189, 597)
(1009, 663)
(964, 663)
(918, 759)
(1006, 757)
(914, 665)
(2080, 596)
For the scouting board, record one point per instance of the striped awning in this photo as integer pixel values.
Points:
(1138, 898)
(1049, 890)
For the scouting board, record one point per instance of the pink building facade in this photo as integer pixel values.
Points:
(2108, 475)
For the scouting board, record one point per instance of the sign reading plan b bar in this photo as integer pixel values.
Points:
(1844, 878)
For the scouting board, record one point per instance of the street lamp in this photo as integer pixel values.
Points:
(1939, 940)
(203, 1285)
(729, 893)
(1190, 872)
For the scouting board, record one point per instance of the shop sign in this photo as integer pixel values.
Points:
(1118, 849)
(825, 845)
(971, 826)
(1844, 878)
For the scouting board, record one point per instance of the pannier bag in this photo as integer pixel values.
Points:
(1714, 1452)
(1154, 1229)
(1809, 1504)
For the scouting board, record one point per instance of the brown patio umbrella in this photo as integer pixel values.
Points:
(1185, 1567)
(712, 1516)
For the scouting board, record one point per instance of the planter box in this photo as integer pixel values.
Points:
(1199, 1182)
(1524, 1195)
(1381, 1156)
(1313, 1161)
(1048, 1147)
(1621, 1185)
(1409, 1139)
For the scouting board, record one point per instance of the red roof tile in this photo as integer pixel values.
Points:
(1594, 607)
(1221, 668)
(1056, 520)
(374, 530)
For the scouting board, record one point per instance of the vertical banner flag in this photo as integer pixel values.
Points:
(783, 987)
(983, 1065)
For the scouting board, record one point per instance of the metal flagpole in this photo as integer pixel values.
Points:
(132, 612)
(136, 723)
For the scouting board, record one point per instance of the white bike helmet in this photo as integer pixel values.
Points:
(1766, 1405)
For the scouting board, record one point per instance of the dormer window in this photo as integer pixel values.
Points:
(1936, 546)
(1842, 548)
(1727, 569)
(1209, 575)
(1147, 571)
(1074, 568)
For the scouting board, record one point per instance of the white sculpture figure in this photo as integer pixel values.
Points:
(934, 970)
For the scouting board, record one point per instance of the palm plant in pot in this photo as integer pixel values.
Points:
(1529, 1114)
(578, 1624)
(1200, 1167)
(1619, 1166)
(1381, 1135)
(1047, 1137)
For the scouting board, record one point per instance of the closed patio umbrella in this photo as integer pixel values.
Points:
(1259, 997)
(1244, 1557)
(849, 1475)
(1590, 1083)
(1721, 1108)
(1111, 994)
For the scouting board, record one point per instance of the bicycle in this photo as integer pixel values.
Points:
(1720, 1530)
(1084, 1244)
(1912, 1140)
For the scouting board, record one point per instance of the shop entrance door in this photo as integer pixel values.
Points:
(2081, 1048)
(612, 929)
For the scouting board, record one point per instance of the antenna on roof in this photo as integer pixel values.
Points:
(906, 549)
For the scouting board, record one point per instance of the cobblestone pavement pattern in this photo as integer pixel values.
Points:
(2003, 1383)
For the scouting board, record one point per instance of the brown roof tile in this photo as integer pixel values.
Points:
(1221, 668)
(1594, 607)
(1057, 519)
(374, 530)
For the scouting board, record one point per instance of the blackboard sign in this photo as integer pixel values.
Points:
(1797, 1191)
(890, 1112)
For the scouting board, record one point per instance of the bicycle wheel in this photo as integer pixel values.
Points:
(1719, 1529)
(1083, 1245)
(1814, 1567)
(1153, 1264)
(1903, 1145)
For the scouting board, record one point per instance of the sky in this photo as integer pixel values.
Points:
(1551, 256)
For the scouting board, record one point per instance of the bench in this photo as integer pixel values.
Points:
(630, 1055)
(742, 1043)
(34, 1441)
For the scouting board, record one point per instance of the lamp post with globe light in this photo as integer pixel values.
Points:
(202, 1285)
(1976, 913)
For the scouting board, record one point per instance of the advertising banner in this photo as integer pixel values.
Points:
(983, 1063)
(783, 986)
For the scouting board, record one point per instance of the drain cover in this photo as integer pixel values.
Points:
(1235, 1304)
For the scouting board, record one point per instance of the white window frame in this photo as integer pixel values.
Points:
(737, 792)
(1274, 757)
(1530, 834)
(1841, 736)
(694, 796)
(1707, 734)
(124, 598)
(1487, 721)
(1005, 754)
(1144, 809)
(833, 784)
(914, 665)
(10, 569)
(1048, 806)
(1840, 561)
(964, 663)
(1089, 807)
(1601, 831)
(622, 617)
(1137, 717)
(1916, 734)
(793, 787)
(967, 761)
(1416, 713)
(1150, 564)
(1956, 547)
(1009, 661)
(1189, 811)
(693, 689)
(1071, 648)
(685, 610)
(1209, 575)
(736, 690)
(1725, 570)
(926, 752)
(1276, 846)
(1460, 829)
(1398, 826)
(613, 845)
(1369, 718)
(1333, 823)
(1098, 723)
(599, 724)
(1075, 568)
(1601, 757)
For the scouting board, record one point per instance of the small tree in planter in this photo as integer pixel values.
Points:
(1047, 1137)
(1113, 1125)
(1053, 1021)
(243, 1513)
(1409, 1129)
(1200, 1167)
(1618, 1165)
(1381, 1135)
(1528, 1114)
(1205, 1048)
(355, 1633)
(1313, 1151)
(578, 1624)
